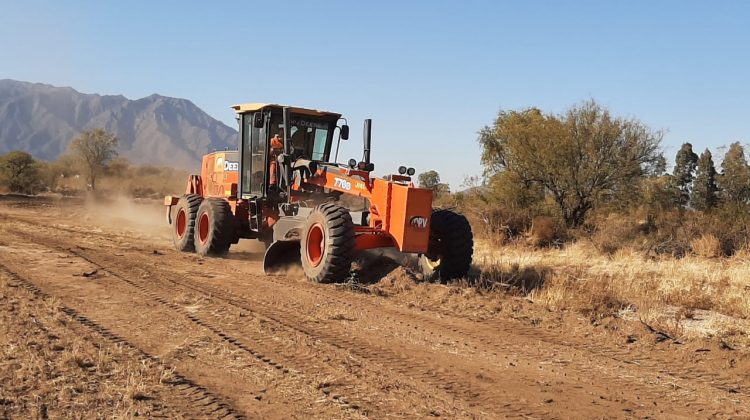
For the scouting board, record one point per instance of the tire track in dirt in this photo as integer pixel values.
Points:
(442, 380)
(399, 362)
(623, 375)
(209, 403)
(406, 366)
(241, 344)
(649, 370)
(634, 358)
(407, 318)
(648, 363)
(145, 287)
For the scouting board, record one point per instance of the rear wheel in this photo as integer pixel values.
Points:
(215, 228)
(327, 244)
(183, 222)
(450, 249)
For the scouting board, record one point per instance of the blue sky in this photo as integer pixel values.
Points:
(430, 74)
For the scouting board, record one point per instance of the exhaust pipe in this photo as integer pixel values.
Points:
(367, 136)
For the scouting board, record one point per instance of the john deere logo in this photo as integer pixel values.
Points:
(418, 222)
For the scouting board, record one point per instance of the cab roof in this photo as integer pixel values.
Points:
(257, 106)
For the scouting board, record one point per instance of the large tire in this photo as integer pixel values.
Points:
(450, 249)
(183, 222)
(215, 228)
(327, 244)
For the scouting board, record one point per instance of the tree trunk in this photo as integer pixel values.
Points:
(576, 215)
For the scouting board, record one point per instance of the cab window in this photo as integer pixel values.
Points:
(253, 157)
(309, 137)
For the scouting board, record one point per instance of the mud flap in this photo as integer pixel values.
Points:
(280, 256)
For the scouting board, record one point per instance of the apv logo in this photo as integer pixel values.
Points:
(418, 222)
(231, 166)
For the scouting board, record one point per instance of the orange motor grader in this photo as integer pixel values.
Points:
(282, 188)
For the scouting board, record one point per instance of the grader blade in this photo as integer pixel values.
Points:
(280, 256)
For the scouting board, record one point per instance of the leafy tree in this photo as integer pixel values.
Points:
(510, 191)
(705, 190)
(683, 173)
(431, 180)
(19, 172)
(94, 149)
(658, 195)
(735, 177)
(582, 158)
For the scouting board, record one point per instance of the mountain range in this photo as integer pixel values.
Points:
(157, 130)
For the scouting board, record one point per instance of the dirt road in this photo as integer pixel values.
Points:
(101, 317)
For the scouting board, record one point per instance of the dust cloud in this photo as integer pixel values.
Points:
(147, 217)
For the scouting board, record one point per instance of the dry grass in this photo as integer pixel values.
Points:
(52, 367)
(543, 231)
(580, 277)
(707, 246)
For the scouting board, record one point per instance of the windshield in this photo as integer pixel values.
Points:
(309, 137)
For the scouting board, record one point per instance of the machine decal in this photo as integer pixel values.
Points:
(231, 166)
(418, 222)
(342, 183)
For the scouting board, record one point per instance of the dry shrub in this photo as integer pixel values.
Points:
(544, 231)
(498, 225)
(721, 232)
(615, 232)
(514, 279)
(694, 296)
(592, 295)
(731, 228)
(706, 246)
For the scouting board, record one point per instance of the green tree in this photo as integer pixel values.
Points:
(431, 180)
(19, 172)
(684, 172)
(735, 177)
(705, 190)
(94, 149)
(510, 191)
(582, 158)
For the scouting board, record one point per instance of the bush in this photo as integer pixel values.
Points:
(498, 225)
(615, 232)
(544, 231)
(707, 246)
(19, 173)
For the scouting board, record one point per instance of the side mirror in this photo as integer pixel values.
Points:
(344, 132)
(258, 120)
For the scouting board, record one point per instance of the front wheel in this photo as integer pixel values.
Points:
(450, 249)
(327, 244)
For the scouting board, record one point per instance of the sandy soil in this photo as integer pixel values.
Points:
(100, 317)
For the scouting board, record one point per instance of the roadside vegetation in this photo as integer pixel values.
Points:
(91, 165)
(579, 212)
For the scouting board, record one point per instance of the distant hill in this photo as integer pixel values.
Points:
(42, 119)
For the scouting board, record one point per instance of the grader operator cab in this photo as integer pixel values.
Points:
(282, 187)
